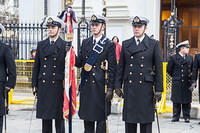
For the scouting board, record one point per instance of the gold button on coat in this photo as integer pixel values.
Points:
(131, 57)
(44, 73)
(53, 82)
(140, 82)
(54, 74)
(130, 81)
(45, 66)
(54, 59)
(141, 65)
(131, 65)
(43, 81)
(45, 58)
(130, 73)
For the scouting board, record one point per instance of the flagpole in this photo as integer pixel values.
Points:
(69, 37)
(70, 109)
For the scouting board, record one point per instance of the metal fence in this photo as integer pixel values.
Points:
(23, 37)
(24, 75)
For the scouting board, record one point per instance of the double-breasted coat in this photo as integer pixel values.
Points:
(180, 70)
(7, 72)
(48, 76)
(196, 66)
(92, 93)
(139, 69)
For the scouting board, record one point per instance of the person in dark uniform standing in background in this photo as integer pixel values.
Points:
(195, 74)
(7, 74)
(139, 69)
(96, 51)
(180, 69)
(48, 76)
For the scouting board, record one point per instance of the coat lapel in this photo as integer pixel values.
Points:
(133, 48)
(51, 50)
(45, 47)
(57, 46)
(89, 44)
(180, 59)
(146, 42)
(187, 59)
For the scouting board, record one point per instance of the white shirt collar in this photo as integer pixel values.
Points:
(53, 40)
(97, 39)
(141, 39)
(181, 54)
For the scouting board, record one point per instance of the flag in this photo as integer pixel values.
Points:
(69, 83)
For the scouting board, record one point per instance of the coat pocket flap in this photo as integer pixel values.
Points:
(176, 78)
(149, 78)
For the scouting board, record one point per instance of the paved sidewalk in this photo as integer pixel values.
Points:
(18, 121)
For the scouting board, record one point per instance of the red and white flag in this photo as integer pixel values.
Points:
(69, 83)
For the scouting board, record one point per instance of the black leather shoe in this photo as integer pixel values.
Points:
(187, 120)
(175, 120)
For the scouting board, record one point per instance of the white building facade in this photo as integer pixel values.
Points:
(118, 13)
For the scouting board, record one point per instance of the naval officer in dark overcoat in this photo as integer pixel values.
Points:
(96, 51)
(7, 74)
(48, 76)
(139, 71)
(180, 69)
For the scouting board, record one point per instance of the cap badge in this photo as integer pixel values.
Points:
(94, 18)
(136, 19)
(50, 20)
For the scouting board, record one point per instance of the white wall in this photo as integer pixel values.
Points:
(55, 6)
(153, 14)
(97, 6)
(31, 10)
(118, 13)
(91, 7)
(119, 28)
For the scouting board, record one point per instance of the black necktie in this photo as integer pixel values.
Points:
(94, 41)
(52, 42)
(184, 57)
(138, 41)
